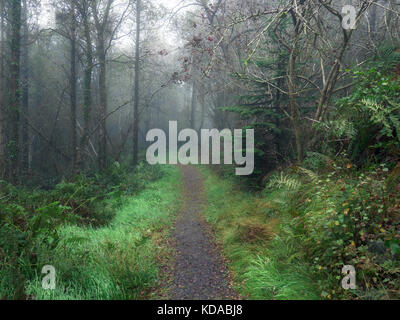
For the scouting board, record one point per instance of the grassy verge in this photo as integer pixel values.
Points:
(265, 263)
(115, 261)
(292, 240)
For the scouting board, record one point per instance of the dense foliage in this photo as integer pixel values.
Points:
(339, 207)
(32, 221)
(79, 93)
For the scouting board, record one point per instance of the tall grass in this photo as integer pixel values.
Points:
(266, 265)
(117, 261)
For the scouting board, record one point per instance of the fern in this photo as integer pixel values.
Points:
(388, 117)
(281, 181)
(311, 174)
(341, 127)
(369, 117)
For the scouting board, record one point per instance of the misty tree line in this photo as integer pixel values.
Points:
(70, 96)
(83, 92)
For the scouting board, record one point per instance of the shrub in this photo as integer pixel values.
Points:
(349, 218)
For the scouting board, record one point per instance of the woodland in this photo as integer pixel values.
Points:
(82, 82)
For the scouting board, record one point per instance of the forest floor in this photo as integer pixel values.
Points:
(198, 270)
(189, 233)
(116, 261)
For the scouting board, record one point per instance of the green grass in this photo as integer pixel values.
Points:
(265, 264)
(118, 261)
(292, 240)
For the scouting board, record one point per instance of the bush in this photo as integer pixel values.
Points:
(344, 217)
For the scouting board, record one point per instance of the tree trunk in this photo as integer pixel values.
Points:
(103, 105)
(73, 85)
(101, 26)
(294, 111)
(87, 92)
(203, 107)
(373, 22)
(193, 106)
(14, 90)
(25, 164)
(281, 66)
(137, 98)
(3, 113)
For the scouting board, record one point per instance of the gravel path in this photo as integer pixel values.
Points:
(199, 271)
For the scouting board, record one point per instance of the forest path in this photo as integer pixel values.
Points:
(198, 271)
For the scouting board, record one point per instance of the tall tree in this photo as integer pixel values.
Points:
(73, 85)
(84, 10)
(14, 109)
(101, 24)
(67, 27)
(193, 105)
(3, 112)
(25, 92)
(137, 97)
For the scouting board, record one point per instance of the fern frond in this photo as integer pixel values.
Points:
(313, 176)
(284, 181)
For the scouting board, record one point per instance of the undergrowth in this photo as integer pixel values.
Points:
(99, 232)
(292, 240)
(265, 263)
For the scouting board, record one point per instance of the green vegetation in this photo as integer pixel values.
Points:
(292, 240)
(340, 206)
(317, 82)
(367, 121)
(260, 246)
(102, 235)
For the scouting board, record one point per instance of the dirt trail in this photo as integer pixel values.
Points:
(199, 271)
